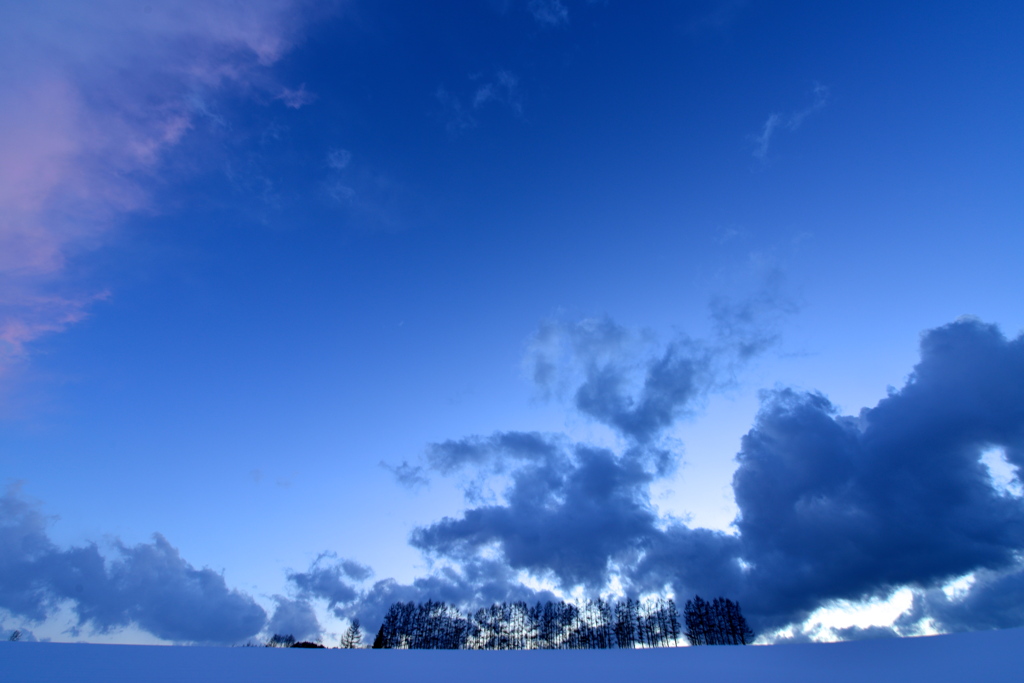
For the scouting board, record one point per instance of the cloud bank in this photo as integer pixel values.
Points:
(148, 585)
(831, 506)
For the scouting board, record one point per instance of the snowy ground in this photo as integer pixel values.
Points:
(990, 656)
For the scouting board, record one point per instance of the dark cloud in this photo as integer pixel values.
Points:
(296, 618)
(149, 584)
(476, 582)
(493, 453)
(619, 381)
(834, 506)
(409, 476)
(625, 381)
(994, 600)
(831, 506)
(560, 351)
(866, 633)
(672, 383)
(570, 516)
(329, 578)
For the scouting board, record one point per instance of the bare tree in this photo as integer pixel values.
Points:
(353, 637)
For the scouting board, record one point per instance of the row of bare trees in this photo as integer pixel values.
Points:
(719, 622)
(590, 624)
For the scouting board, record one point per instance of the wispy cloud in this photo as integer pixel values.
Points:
(296, 98)
(792, 121)
(549, 12)
(92, 98)
(461, 112)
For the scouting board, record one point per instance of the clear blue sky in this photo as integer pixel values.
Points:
(253, 259)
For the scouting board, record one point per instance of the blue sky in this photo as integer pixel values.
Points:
(257, 263)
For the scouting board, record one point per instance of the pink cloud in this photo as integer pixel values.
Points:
(92, 99)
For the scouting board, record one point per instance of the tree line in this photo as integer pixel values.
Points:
(589, 624)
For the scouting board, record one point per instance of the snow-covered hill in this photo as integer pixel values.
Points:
(991, 656)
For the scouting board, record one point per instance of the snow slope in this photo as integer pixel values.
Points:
(990, 656)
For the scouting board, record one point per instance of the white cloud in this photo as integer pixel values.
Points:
(791, 122)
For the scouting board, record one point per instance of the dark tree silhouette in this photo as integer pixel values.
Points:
(589, 624)
(353, 637)
(719, 622)
(278, 640)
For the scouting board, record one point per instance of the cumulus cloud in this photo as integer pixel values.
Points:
(295, 618)
(569, 521)
(149, 585)
(846, 507)
(831, 506)
(93, 97)
(791, 121)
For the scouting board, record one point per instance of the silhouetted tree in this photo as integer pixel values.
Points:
(353, 637)
(278, 640)
(673, 622)
(719, 622)
(589, 624)
(380, 639)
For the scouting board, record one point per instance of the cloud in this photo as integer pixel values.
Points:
(410, 476)
(338, 159)
(843, 507)
(831, 506)
(502, 89)
(790, 122)
(572, 522)
(995, 600)
(671, 384)
(549, 12)
(750, 325)
(94, 97)
(295, 618)
(296, 98)
(621, 378)
(474, 583)
(330, 578)
(494, 452)
(626, 381)
(149, 584)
